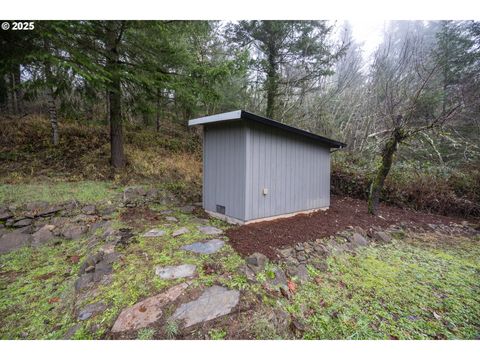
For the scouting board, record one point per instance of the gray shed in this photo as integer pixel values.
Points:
(255, 168)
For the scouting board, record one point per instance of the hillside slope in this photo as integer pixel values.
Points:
(171, 157)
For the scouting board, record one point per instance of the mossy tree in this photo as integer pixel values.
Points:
(407, 101)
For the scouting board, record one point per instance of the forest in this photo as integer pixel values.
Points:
(103, 233)
(416, 92)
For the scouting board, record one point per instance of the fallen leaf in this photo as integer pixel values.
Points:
(74, 259)
(53, 300)
(291, 286)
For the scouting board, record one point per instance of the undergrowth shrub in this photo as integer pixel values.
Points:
(171, 157)
(438, 190)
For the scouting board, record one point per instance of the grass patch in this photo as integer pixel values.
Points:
(56, 192)
(36, 291)
(400, 291)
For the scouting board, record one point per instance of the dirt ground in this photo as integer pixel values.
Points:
(266, 236)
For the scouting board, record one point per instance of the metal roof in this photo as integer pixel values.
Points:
(242, 114)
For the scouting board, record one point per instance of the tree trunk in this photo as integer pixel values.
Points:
(382, 172)
(271, 85)
(157, 120)
(3, 93)
(52, 111)
(18, 89)
(51, 106)
(13, 92)
(115, 98)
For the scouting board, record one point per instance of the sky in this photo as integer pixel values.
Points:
(368, 33)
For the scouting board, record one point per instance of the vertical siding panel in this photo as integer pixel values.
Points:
(268, 168)
(255, 204)
(248, 171)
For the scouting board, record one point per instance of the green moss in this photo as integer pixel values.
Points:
(217, 334)
(400, 291)
(36, 291)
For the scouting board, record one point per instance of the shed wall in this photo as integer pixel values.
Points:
(294, 169)
(224, 167)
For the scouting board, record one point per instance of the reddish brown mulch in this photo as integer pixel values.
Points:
(266, 236)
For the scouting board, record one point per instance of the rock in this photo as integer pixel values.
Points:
(256, 262)
(166, 212)
(91, 310)
(109, 230)
(301, 256)
(382, 237)
(358, 240)
(302, 273)
(89, 210)
(73, 232)
(280, 278)
(84, 281)
(214, 302)
(291, 269)
(101, 269)
(36, 205)
(208, 247)
(154, 233)
(187, 209)
(249, 273)
(110, 257)
(102, 224)
(49, 210)
(90, 261)
(299, 247)
(125, 237)
(209, 230)
(83, 218)
(42, 236)
(71, 331)
(176, 272)
(287, 252)
(22, 223)
(171, 218)
(180, 231)
(107, 210)
(360, 230)
(59, 222)
(5, 214)
(14, 240)
(147, 311)
(320, 249)
(90, 269)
